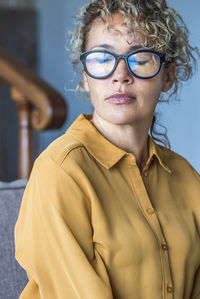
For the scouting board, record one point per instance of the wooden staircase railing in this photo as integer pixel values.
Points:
(39, 106)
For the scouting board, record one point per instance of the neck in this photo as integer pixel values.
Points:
(130, 138)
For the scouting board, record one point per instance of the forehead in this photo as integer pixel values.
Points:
(112, 31)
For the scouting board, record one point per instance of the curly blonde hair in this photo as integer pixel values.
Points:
(160, 27)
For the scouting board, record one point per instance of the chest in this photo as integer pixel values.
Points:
(136, 219)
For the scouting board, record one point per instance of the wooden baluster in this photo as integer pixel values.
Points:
(30, 91)
(1, 80)
(24, 134)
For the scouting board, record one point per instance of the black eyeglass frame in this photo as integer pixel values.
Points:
(162, 58)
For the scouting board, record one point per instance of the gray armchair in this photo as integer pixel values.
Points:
(12, 277)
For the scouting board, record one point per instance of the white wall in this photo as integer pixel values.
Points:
(182, 119)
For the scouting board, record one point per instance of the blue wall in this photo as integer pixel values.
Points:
(56, 19)
(181, 118)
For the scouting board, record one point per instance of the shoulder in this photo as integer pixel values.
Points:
(57, 172)
(61, 148)
(65, 156)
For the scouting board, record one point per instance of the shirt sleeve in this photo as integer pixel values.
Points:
(196, 287)
(53, 238)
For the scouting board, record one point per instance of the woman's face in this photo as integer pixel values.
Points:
(122, 98)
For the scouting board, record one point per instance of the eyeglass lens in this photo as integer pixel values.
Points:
(101, 64)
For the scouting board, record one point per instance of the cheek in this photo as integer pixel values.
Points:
(85, 82)
(95, 92)
(149, 93)
(96, 88)
(152, 88)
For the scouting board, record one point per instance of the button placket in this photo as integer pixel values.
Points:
(153, 220)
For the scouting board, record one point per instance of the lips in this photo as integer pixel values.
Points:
(121, 98)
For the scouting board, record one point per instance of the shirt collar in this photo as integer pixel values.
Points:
(106, 153)
(160, 152)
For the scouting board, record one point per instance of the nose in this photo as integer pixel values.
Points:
(122, 74)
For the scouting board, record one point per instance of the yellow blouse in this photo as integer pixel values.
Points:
(92, 227)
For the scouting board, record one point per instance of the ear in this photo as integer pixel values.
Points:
(170, 73)
(85, 82)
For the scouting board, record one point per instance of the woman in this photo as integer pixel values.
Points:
(107, 212)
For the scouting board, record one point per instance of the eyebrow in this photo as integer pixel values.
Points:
(109, 47)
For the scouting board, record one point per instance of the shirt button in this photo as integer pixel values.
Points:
(150, 211)
(169, 289)
(145, 174)
(164, 247)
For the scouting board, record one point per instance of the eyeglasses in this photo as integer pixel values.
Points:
(143, 64)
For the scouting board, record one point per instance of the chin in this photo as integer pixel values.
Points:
(122, 119)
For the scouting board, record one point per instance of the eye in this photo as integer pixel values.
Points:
(99, 58)
(141, 62)
(134, 61)
(105, 60)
